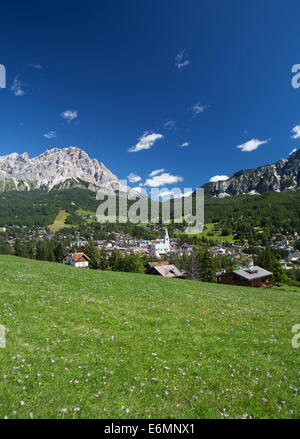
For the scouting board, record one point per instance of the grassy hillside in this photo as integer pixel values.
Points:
(59, 222)
(98, 344)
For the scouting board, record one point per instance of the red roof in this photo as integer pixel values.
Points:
(77, 256)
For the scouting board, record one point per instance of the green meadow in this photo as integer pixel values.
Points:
(96, 344)
(59, 222)
(210, 233)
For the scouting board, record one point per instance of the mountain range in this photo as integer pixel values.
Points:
(71, 167)
(279, 176)
(55, 169)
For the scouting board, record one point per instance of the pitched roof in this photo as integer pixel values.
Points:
(76, 256)
(156, 263)
(255, 272)
(168, 270)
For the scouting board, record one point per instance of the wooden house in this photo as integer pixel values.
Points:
(253, 276)
(150, 265)
(166, 270)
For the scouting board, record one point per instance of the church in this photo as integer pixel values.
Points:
(160, 247)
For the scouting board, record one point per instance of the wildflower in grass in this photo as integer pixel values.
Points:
(264, 399)
(22, 403)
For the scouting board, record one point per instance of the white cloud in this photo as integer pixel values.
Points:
(218, 178)
(181, 60)
(133, 178)
(50, 135)
(162, 180)
(170, 125)
(35, 66)
(252, 145)
(296, 130)
(138, 189)
(184, 144)
(293, 150)
(156, 172)
(187, 194)
(146, 141)
(16, 87)
(166, 194)
(198, 108)
(181, 195)
(69, 115)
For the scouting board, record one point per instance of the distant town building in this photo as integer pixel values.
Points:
(294, 257)
(80, 260)
(160, 247)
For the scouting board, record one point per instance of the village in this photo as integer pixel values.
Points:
(233, 261)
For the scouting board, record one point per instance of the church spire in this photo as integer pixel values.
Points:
(166, 238)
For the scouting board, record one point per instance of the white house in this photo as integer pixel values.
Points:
(76, 260)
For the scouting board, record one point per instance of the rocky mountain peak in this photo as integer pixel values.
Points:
(279, 176)
(55, 168)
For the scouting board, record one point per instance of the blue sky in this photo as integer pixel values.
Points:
(208, 74)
